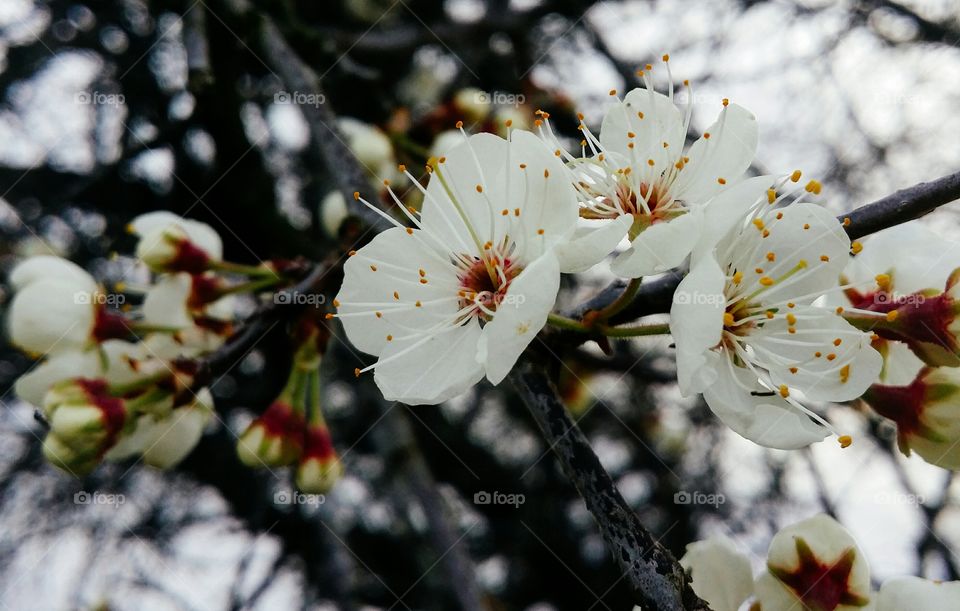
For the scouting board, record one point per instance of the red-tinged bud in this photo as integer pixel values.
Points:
(273, 439)
(169, 249)
(927, 414)
(320, 467)
(926, 321)
(85, 421)
(204, 290)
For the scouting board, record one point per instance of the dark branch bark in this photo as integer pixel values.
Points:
(657, 578)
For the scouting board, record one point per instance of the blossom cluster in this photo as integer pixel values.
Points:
(116, 382)
(770, 321)
(813, 564)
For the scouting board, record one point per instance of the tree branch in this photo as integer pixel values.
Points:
(655, 296)
(655, 575)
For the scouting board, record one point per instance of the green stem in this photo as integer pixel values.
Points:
(404, 142)
(637, 331)
(622, 301)
(569, 324)
(316, 414)
(239, 268)
(252, 286)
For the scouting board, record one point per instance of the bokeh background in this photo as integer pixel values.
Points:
(111, 108)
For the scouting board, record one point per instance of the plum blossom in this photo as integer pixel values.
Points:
(171, 243)
(59, 307)
(638, 181)
(460, 295)
(747, 332)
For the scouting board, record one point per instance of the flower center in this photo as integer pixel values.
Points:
(484, 284)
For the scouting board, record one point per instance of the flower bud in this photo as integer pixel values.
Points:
(169, 243)
(176, 435)
(814, 564)
(320, 467)
(274, 439)
(66, 458)
(927, 414)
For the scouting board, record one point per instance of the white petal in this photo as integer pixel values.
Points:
(773, 595)
(793, 246)
(398, 258)
(661, 246)
(819, 378)
(727, 210)
(662, 122)
(520, 316)
(726, 154)
(33, 385)
(47, 267)
(767, 420)
(590, 245)
(152, 221)
(915, 257)
(542, 191)
(721, 575)
(51, 315)
(165, 303)
(176, 435)
(696, 323)
(135, 442)
(466, 218)
(919, 594)
(442, 368)
(900, 364)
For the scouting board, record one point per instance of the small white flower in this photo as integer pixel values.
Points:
(748, 335)
(461, 295)
(639, 182)
(175, 436)
(169, 242)
(721, 574)
(814, 564)
(59, 307)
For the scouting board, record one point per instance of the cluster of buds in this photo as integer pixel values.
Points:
(292, 429)
(116, 379)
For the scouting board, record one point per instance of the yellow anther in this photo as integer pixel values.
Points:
(791, 319)
(831, 356)
(839, 310)
(706, 135)
(837, 341)
(336, 303)
(479, 188)
(824, 258)
(856, 247)
(373, 268)
(650, 162)
(814, 187)
(771, 196)
(613, 92)
(795, 176)
(737, 277)
(794, 370)
(758, 223)
(771, 256)
(726, 101)
(784, 391)
(728, 319)
(883, 281)
(722, 181)
(892, 315)
(459, 124)
(356, 195)
(666, 57)
(845, 441)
